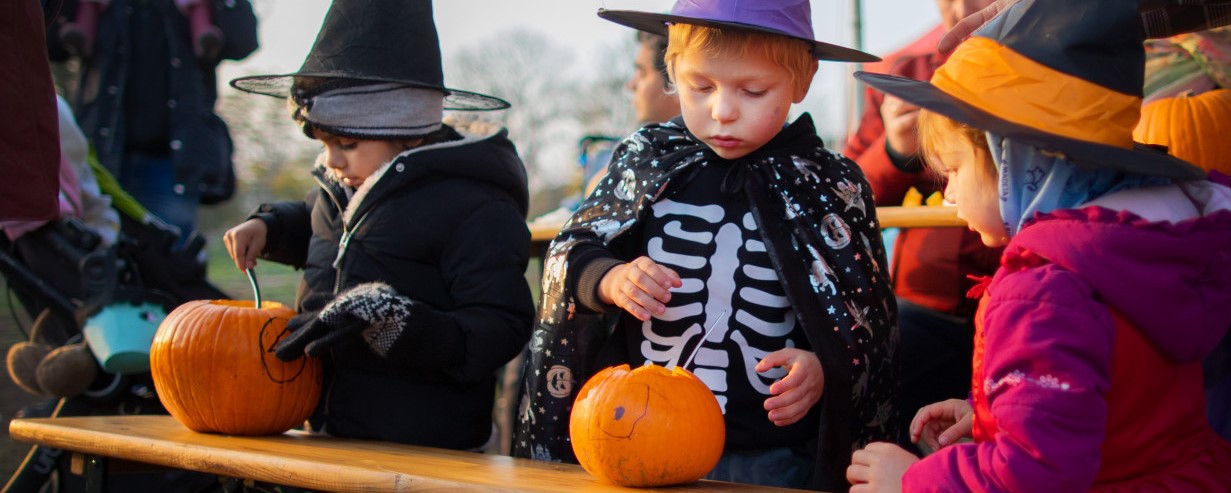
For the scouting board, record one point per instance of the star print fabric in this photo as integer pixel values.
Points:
(814, 210)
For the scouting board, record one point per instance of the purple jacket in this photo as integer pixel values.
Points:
(1049, 339)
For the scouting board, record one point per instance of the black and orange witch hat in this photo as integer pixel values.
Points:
(1064, 76)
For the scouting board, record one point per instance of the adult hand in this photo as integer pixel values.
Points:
(965, 27)
(900, 118)
(942, 423)
(245, 242)
(878, 467)
(798, 391)
(641, 287)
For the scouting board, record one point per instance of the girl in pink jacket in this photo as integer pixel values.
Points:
(1114, 283)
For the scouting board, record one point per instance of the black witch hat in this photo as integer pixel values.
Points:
(375, 41)
(1064, 76)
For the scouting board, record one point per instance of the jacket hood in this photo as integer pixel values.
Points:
(1171, 279)
(480, 151)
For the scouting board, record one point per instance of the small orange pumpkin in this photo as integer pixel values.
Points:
(1194, 128)
(215, 371)
(647, 427)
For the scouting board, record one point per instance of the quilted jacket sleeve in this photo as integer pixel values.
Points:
(1048, 355)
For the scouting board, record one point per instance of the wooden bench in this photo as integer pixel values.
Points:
(311, 461)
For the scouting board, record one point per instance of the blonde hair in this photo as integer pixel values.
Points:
(937, 132)
(792, 54)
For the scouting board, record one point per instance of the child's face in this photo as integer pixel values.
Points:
(353, 160)
(734, 104)
(974, 189)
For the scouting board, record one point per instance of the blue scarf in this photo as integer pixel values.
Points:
(1034, 181)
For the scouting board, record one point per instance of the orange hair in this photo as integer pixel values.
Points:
(792, 54)
(937, 132)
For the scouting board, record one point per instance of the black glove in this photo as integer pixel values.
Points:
(375, 310)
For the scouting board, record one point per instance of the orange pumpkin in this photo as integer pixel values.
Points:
(215, 371)
(647, 427)
(1194, 128)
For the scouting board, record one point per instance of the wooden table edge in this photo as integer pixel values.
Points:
(242, 457)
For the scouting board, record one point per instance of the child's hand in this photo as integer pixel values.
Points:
(641, 287)
(795, 393)
(942, 423)
(245, 242)
(878, 467)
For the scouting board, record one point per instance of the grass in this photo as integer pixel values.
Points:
(277, 282)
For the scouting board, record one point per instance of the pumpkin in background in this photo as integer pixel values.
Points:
(647, 427)
(215, 371)
(1195, 128)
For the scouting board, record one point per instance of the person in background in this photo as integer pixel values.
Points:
(414, 246)
(1114, 281)
(146, 99)
(30, 144)
(735, 233)
(78, 35)
(654, 101)
(930, 267)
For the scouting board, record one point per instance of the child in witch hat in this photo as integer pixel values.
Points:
(414, 246)
(1114, 282)
(728, 218)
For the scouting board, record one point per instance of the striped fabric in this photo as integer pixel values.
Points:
(1192, 62)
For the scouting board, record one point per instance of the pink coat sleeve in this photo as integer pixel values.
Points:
(1048, 350)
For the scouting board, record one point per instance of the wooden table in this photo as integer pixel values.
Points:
(313, 461)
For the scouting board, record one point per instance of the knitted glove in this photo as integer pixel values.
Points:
(374, 310)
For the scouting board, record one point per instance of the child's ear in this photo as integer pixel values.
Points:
(801, 90)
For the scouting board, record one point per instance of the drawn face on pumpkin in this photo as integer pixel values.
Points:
(629, 427)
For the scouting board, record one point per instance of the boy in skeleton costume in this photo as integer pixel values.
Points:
(728, 233)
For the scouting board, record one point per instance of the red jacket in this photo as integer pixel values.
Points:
(29, 135)
(930, 265)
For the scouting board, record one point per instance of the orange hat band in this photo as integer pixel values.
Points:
(998, 80)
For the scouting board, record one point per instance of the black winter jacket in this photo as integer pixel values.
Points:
(444, 225)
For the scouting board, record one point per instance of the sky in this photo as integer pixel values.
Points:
(288, 28)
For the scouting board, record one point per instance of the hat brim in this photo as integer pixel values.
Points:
(655, 23)
(279, 86)
(1140, 159)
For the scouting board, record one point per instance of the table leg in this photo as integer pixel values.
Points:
(95, 473)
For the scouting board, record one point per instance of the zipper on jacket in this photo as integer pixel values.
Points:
(347, 233)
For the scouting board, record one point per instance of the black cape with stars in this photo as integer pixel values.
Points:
(815, 211)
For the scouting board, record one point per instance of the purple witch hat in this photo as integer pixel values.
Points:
(791, 18)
